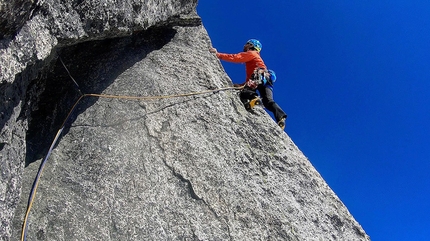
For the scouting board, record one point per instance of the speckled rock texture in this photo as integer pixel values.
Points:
(197, 167)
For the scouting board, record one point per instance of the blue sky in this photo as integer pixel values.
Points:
(354, 79)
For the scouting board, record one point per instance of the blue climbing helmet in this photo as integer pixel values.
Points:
(255, 44)
(272, 76)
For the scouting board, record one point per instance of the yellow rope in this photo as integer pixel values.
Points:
(162, 96)
(39, 174)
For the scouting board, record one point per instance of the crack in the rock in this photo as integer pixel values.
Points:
(2, 144)
(189, 185)
(189, 20)
(196, 197)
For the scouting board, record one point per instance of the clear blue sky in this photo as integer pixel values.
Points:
(354, 79)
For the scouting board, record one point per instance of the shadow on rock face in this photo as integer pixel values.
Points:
(13, 14)
(94, 66)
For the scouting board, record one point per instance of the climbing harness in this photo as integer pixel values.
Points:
(59, 132)
(261, 76)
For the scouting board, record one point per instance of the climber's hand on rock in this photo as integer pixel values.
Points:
(213, 50)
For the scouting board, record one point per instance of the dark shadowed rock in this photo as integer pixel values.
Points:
(183, 168)
(13, 15)
(29, 54)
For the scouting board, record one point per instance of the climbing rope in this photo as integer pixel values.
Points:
(54, 142)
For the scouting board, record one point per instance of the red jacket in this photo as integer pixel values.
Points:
(251, 59)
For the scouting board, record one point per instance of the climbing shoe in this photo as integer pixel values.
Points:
(281, 123)
(251, 103)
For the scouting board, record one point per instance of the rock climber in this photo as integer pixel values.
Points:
(258, 77)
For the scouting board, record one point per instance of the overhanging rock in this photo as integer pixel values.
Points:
(31, 34)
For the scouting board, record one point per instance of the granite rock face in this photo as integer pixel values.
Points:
(195, 167)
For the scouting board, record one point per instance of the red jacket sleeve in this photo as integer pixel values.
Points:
(242, 57)
(251, 59)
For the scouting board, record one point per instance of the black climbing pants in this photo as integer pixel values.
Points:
(266, 94)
